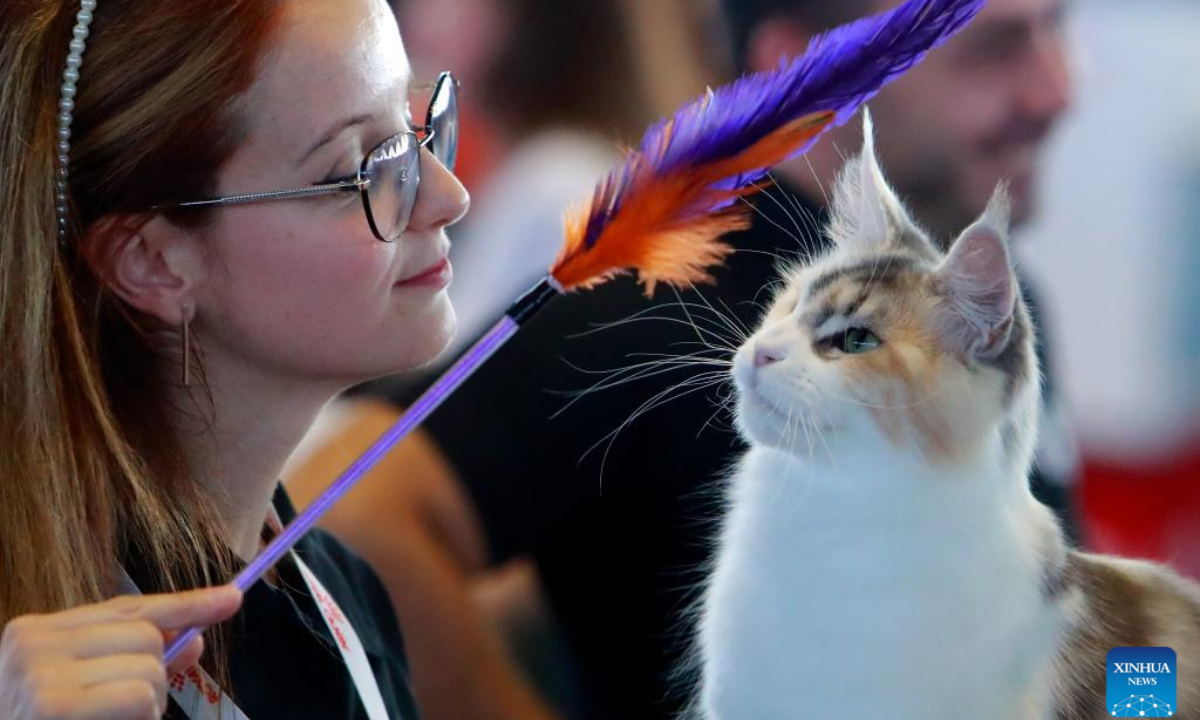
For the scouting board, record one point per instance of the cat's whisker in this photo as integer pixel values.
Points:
(809, 478)
(645, 315)
(810, 217)
(817, 178)
(702, 355)
(717, 354)
(780, 259)
(601, 326)
(929, 397)
(706, 357)
(740, 332)
(643, 374)
(805, 220)
(703, 381)
(821, 436)
(807, 227)
(764, 216)
(721, 409)
(658, 401)
(801, 232)
(771, 288)
(807, 435)
(683, 305)
(791, 456)
(641, 371)
(718, 322)
(641, 317)
(746, 330)
(766, 190)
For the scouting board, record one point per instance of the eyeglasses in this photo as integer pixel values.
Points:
(390, 174)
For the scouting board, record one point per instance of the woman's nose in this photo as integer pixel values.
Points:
(441, 199)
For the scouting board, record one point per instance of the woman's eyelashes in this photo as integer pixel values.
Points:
(336, 178)
(344, 171)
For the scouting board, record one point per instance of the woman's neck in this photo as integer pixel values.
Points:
(237, 446)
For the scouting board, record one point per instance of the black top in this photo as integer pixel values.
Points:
(622, 553)
(284, 660)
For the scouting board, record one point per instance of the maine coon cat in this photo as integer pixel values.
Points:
(883, 557)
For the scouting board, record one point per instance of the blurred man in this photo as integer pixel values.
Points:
(975, 112)
(620, 537)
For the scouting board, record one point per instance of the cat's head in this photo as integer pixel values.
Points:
(889, 339)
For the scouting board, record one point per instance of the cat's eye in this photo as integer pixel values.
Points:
(855, 341)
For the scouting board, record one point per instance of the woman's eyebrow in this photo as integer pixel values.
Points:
(333, 133)
(406, 87)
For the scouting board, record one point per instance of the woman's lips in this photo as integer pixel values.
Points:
(437, 275)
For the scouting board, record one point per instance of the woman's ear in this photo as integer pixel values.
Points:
(151, 264)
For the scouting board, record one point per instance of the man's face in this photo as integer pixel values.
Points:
(975, 113)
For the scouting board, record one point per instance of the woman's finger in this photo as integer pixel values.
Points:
(172, 611)
(133, 637)
(120, 700)
(121, 668)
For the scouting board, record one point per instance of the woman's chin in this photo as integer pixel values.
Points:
(440, 328)
(432, 332)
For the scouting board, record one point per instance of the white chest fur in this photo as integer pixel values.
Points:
(873, 588)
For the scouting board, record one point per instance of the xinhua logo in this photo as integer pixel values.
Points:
(1141, 682)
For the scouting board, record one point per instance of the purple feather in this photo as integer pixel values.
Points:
(841, 70)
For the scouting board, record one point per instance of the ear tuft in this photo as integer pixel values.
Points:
(866, 213)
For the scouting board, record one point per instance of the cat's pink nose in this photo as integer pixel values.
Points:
(767, 355)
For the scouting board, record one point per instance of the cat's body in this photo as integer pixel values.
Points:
(951, 602)
(897, 608)
(883, 556)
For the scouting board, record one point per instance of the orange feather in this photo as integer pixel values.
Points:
(664, 229)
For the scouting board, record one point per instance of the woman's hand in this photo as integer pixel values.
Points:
(103, 661)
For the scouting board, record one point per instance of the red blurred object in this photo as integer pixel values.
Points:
(1147, 510)
(479, 150)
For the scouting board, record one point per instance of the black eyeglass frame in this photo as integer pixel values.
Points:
(361, 183)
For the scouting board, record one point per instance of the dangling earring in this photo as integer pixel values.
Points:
(187, 350)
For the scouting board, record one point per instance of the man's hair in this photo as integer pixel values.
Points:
(744, 16)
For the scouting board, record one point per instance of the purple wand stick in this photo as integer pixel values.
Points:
(432, 398)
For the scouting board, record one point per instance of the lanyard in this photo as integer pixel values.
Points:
(201, 698)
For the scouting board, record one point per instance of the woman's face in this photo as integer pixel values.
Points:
(302, 289)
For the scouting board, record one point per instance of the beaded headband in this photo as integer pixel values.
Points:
(66, 105)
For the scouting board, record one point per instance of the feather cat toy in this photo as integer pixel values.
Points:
(663, 213)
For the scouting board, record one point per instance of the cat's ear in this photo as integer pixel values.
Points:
(866, 211)
(977, 283)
